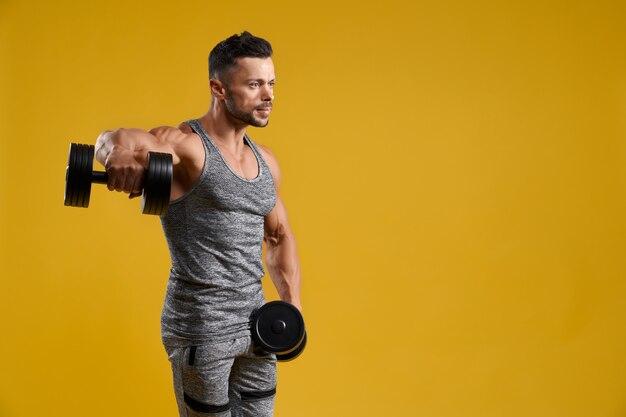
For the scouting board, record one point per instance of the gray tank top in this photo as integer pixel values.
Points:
(215, 234)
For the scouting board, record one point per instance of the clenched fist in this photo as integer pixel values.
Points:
(125, 173)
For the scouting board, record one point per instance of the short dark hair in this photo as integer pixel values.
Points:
(225, 53)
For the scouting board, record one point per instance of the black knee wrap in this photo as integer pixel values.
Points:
(205, 408)
(257, 395)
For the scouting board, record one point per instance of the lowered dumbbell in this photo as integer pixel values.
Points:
(79, 175)
(278, 327)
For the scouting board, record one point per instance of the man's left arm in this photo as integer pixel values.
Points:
(281, 254)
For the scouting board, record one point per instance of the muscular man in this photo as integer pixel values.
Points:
(224, 204)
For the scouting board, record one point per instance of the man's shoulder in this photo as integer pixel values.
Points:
(184, 127)
(269, 159)
(266, 153)
(171, 133)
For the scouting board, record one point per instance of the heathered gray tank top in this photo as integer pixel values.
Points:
(215, 236)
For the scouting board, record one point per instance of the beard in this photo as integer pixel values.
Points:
(243, 116)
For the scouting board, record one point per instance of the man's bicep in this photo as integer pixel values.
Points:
(276, 223)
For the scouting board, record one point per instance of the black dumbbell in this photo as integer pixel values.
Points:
(79, 175)
(278, 327)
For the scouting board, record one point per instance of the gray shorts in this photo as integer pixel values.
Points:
(223, 379)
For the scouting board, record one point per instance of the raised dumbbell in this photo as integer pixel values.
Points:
(79, 175)
(278, 327)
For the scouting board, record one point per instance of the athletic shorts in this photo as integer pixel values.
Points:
(224, 379)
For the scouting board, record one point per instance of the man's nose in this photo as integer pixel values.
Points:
(267, 93)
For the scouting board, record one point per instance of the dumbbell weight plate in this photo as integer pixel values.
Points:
(80, 181)
(160, 187)
(82, 173)
(157, 184)
(78, 175)
(88, 170)
(70, 176)
(84, 190)
(74, 174)
(157, 194)
(294, 353)
(166, 190)
(147, 201)
(278, 327)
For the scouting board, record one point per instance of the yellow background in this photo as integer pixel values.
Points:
(454, 173)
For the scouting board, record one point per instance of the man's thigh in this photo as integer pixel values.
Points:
(253, 384)
(201, 377)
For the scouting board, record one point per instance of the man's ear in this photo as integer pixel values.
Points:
(217, 89)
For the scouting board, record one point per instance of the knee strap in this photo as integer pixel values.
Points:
(203, 407)
(257, 395)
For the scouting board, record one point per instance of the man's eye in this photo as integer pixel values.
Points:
(254, 85)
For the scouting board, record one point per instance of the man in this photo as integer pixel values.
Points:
(224, 204)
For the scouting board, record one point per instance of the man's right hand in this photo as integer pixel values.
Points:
(125, 173)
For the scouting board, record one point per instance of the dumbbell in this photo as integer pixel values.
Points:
(278, 327)
(79, 175)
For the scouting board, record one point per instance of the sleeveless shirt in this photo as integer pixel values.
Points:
(215, 234)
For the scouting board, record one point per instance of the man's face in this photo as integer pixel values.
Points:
(250, 90)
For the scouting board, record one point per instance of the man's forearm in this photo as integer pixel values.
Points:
(284, 267)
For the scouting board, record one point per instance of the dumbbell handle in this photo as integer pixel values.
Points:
(99, 177)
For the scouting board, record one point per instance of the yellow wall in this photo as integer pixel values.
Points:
(454, 173)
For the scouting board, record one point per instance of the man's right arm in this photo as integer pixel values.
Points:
(124, 154)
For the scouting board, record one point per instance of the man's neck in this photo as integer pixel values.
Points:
(223, 129)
